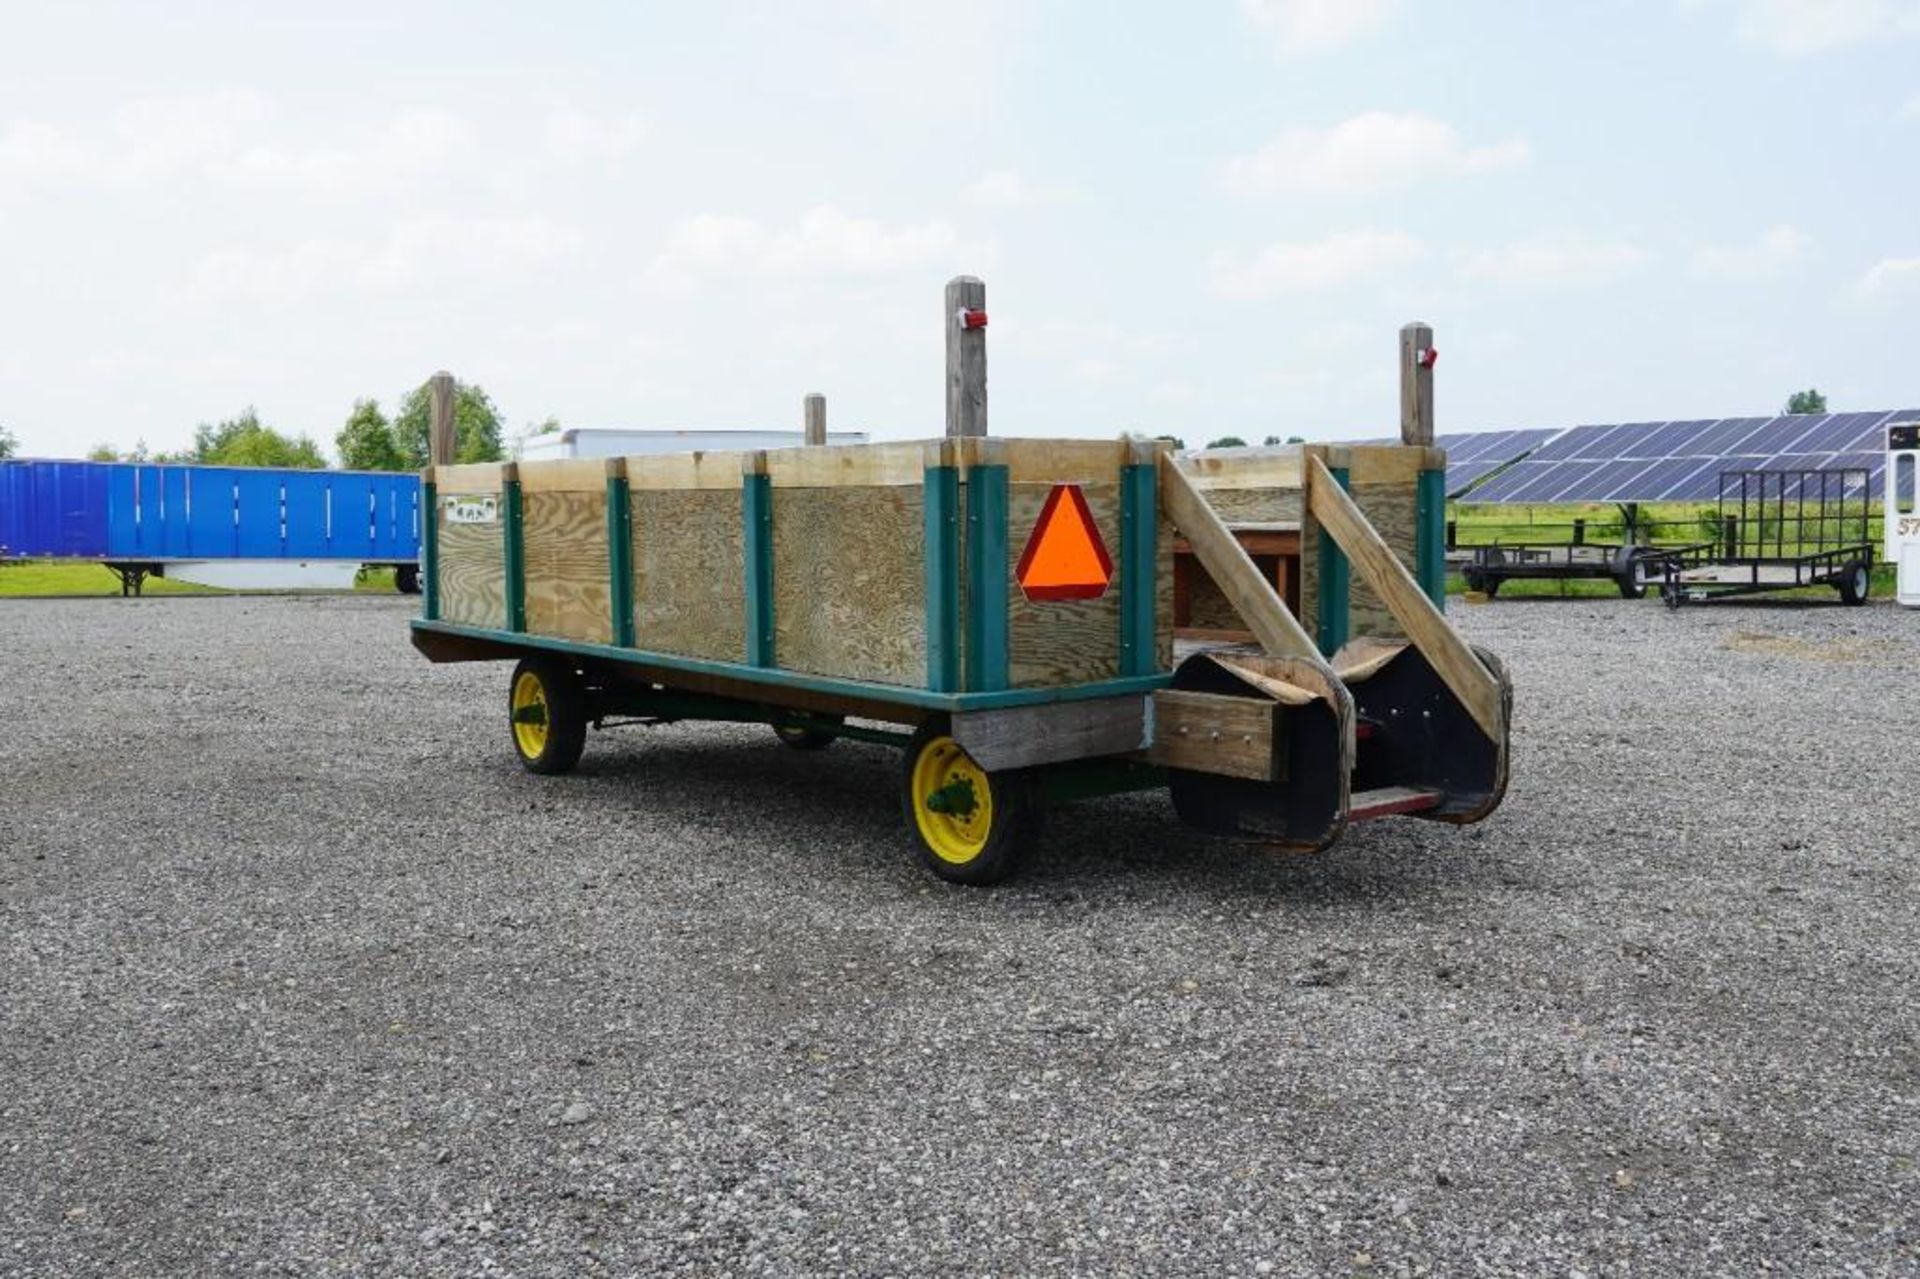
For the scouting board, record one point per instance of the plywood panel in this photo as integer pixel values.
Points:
(565, 538)
(689, 580)
(1390, 508)
(1163, 597)
(849, 582)
(473, 565)
(1256, 506)
(1055, 642)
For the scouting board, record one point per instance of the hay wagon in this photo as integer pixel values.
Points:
(1001, 609)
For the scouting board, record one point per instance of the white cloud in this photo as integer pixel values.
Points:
(1312, 26)
(1554, 260)
(1007, 190)
(1775, 250)
(1297, 268)
(826, 241)
(1910, 109)
(1374, 152)
(414, 253)
(1797, 27)
(413, 144)
(1889, 276)
(577, 137)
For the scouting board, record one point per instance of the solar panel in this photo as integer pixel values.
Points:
(1473, 457)
(1665, 461)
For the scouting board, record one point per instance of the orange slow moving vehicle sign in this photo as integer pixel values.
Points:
(1065, 558)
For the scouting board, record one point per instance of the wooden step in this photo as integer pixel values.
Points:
(1389, 800)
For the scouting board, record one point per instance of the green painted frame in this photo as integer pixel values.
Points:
(514, 534)
(620, 560)
(1336, 582)
(1430, 536)
(987, 575)
(756, 510)
(430, 552)
(1139, 567)
(865, 690)
(942, 504)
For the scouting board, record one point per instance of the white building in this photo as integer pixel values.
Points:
(589, 441)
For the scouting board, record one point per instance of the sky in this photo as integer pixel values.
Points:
(1201, 219)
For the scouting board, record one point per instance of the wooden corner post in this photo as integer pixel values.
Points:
(816, 418)
(442, 438)
(1417, 357)
(965, 314)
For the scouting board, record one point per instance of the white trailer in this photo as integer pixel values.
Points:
(1903, 510)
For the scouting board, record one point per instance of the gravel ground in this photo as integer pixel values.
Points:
(302, 974)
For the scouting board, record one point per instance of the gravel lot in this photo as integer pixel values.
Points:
(302, 974)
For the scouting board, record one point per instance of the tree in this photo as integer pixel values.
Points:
(1174, 440)
(102, 453)
(8, 445)
(1228, 442)
(366, 442)
(247, 441)
(476, 425)
(1807, 401)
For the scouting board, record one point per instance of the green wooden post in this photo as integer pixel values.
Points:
(1430, 536)
(516, 560)
(1139, 564)
(429, 552)
(620, 560)
(943, 578)
(1336, 583)
(987, 574)
(757, 511)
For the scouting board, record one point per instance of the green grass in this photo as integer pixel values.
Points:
(65, 578)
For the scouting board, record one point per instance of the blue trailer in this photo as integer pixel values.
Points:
(137, 518)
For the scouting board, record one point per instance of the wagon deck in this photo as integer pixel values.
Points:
(1006, 609)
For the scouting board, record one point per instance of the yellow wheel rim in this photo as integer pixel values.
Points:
(952, 801)
(530, 715)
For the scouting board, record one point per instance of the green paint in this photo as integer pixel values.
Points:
(943, 578)
(986, 554)
(757, 510)
(516, 549)
(956, 798)
(429, 553)
(1430, 536)
(620, 560)
(513, 645)
(1336, 584)
(1139, 563)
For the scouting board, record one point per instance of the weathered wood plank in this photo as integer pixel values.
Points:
(1215, 733)
(669, 471)
(848, 466)
(1255, 505)
(443, 437)
(1048, 461)
(689, 580)
(1439, 643)
(814, 411)
(966, 358)
(849, 582)
(1224, 559)
(564, 475)
(1028, 736)
(1416, 384)
(1053, 642)
(565, 538)
(1265, 468)
(474, 477)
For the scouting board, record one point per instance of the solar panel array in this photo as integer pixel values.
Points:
(1471, 458)
(1671, 461)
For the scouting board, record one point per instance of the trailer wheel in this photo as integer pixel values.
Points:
(802, 738)
(406, 579)
(547, 713)
(969, 826)
(1632, 585)
(1855, 583)
(1474, 578)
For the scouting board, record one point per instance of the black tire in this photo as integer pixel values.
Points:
(976, 856)
(1632, 587)
(802, 738)
(1491, 587)
(406, 579)
(1856, 583)
(561, 700)
(1474, 578)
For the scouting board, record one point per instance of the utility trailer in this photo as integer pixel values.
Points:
(1628, 566)
(1000, 609)
(1782, 530)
